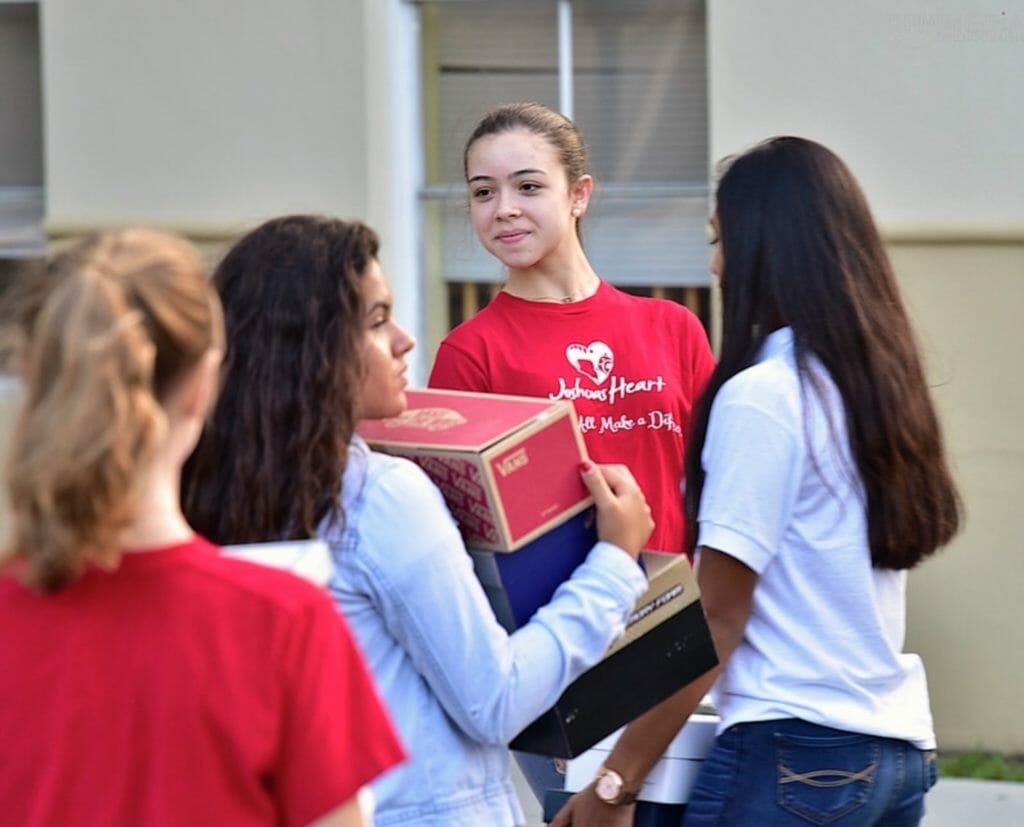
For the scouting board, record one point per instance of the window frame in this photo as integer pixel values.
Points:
(22, 205)
(445, 296)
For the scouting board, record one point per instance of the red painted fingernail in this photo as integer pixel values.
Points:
(586, 466)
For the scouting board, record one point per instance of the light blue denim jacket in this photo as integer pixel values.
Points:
(459, 688)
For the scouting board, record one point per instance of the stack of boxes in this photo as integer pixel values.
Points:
(508, 468)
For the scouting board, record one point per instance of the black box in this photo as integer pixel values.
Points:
(666, 645)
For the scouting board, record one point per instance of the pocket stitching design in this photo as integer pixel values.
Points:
(787, 778)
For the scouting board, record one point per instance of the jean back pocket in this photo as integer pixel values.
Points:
(823, 778)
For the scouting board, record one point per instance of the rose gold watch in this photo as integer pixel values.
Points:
(610, 788)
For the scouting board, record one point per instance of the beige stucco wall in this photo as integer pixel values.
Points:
(965, 614)
(202, 116)
(923, 102)
(208, 117)
(922, 99)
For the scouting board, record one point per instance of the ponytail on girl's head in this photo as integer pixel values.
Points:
(104, 331)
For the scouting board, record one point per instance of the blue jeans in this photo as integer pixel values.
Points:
(790, 773)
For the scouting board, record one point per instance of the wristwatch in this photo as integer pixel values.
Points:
(608, 786)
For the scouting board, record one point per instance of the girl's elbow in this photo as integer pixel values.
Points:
(726, 629)
(489, 731)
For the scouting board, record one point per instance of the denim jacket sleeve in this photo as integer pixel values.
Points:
(417, 572)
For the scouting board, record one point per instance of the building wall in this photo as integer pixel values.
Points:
(207, 118)
(965, 613)
(920, 98)
(203, 117)
(922, 101)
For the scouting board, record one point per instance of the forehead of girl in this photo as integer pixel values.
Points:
(374, 284)
(510, 154)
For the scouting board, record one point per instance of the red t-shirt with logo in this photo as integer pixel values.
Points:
(633, 366)
(184, 688)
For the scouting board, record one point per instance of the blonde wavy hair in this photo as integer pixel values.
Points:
(102, 333)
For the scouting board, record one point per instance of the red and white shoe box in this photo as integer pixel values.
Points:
(508, 466)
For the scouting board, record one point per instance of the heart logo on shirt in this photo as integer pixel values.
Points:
(595, 361)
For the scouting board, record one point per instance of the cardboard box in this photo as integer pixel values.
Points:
(672, 778)
(508, 466)
(666, 645)
(310, 559)
(520, 582)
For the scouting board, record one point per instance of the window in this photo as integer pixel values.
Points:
(633, 76)
(21, 142)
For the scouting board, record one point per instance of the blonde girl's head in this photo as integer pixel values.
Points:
(103, 332)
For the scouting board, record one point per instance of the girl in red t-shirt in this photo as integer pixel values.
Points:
(632, 366)
(146, 678)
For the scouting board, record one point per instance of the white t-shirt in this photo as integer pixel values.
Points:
(825, 637)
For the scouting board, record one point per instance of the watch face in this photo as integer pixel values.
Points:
(608, 786)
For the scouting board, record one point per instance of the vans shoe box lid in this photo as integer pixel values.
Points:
(508, 466)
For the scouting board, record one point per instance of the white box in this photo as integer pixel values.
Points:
(672, 778)
(310, 559)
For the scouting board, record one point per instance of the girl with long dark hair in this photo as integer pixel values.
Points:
(816, 477)
(313, 347)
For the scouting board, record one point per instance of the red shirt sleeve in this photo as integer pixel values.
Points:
(337, 736)
(455, 370)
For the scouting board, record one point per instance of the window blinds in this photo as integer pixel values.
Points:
(640, 98)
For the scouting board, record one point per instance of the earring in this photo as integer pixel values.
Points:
(576, 211)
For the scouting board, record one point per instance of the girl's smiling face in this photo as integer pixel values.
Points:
(522, 205)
